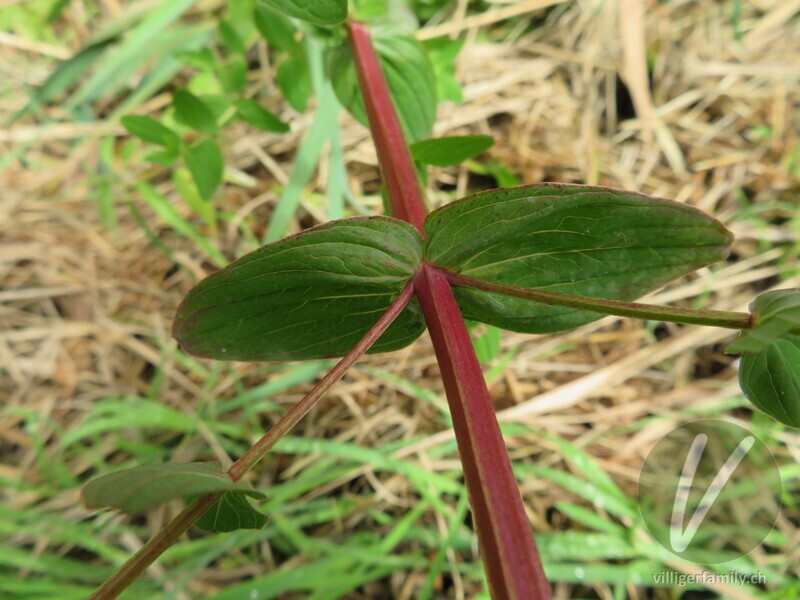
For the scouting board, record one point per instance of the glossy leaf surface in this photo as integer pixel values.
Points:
(410, 76)
(580, 240)
(774, 314)
(319, 12)
(771, 379)
(448, 151)
(231, 512)
(142, 488)
(311, 295)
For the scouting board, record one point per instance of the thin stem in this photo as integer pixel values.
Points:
(656, 312)
(135, 566)
(248, 460)
(155, 547)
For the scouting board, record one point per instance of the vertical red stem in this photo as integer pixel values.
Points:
(394, 157)
(512, 562)
(509, 553)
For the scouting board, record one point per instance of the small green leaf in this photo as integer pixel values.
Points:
(202, 59)
(369, 10)
(165, 158)
(294, 80)
(579, 240)
(771, 379)
(487, 343)
(230, 37)
(447, 151)
(275, 28)
(231, 512)
(774, 314)
(318, 12)
(142, 488)
(410, 76)
(233, 76)
(443, 52)
(206, 165)
(311, 295)
(193, 112)
(258, 116)
(220, 105)
(187, 189)
(150, 130)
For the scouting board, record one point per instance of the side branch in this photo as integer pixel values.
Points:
(655, 312)
(136, 565)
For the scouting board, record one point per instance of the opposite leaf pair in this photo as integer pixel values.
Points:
(316, 293)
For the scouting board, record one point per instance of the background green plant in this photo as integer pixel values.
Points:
(48, 541)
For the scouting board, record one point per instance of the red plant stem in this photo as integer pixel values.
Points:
(136, 564)
(394, 157)
(511, 560)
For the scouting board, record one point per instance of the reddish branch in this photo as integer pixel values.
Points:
(136, 564)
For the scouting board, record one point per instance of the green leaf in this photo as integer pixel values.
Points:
(410, 76)
(150, 130)
(165, 158)
(771, 379)
(443, 52)
(187, 189)
(220, 105)
(275, 28)
(294, 80)
(311, 295)
(447, 151)
(580, 240)
(318, 12)
(142, 488)
(230, 37)
(369, 10)
(233, 76)
(203, 59)
(487, 343)
(206, 165)
(231, 512)
(193, 112)
(774, 314)
(258, 116)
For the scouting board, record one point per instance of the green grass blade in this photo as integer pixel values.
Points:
(167, 212)
(128, 55)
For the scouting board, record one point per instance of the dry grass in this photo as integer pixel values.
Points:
(85, 311)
